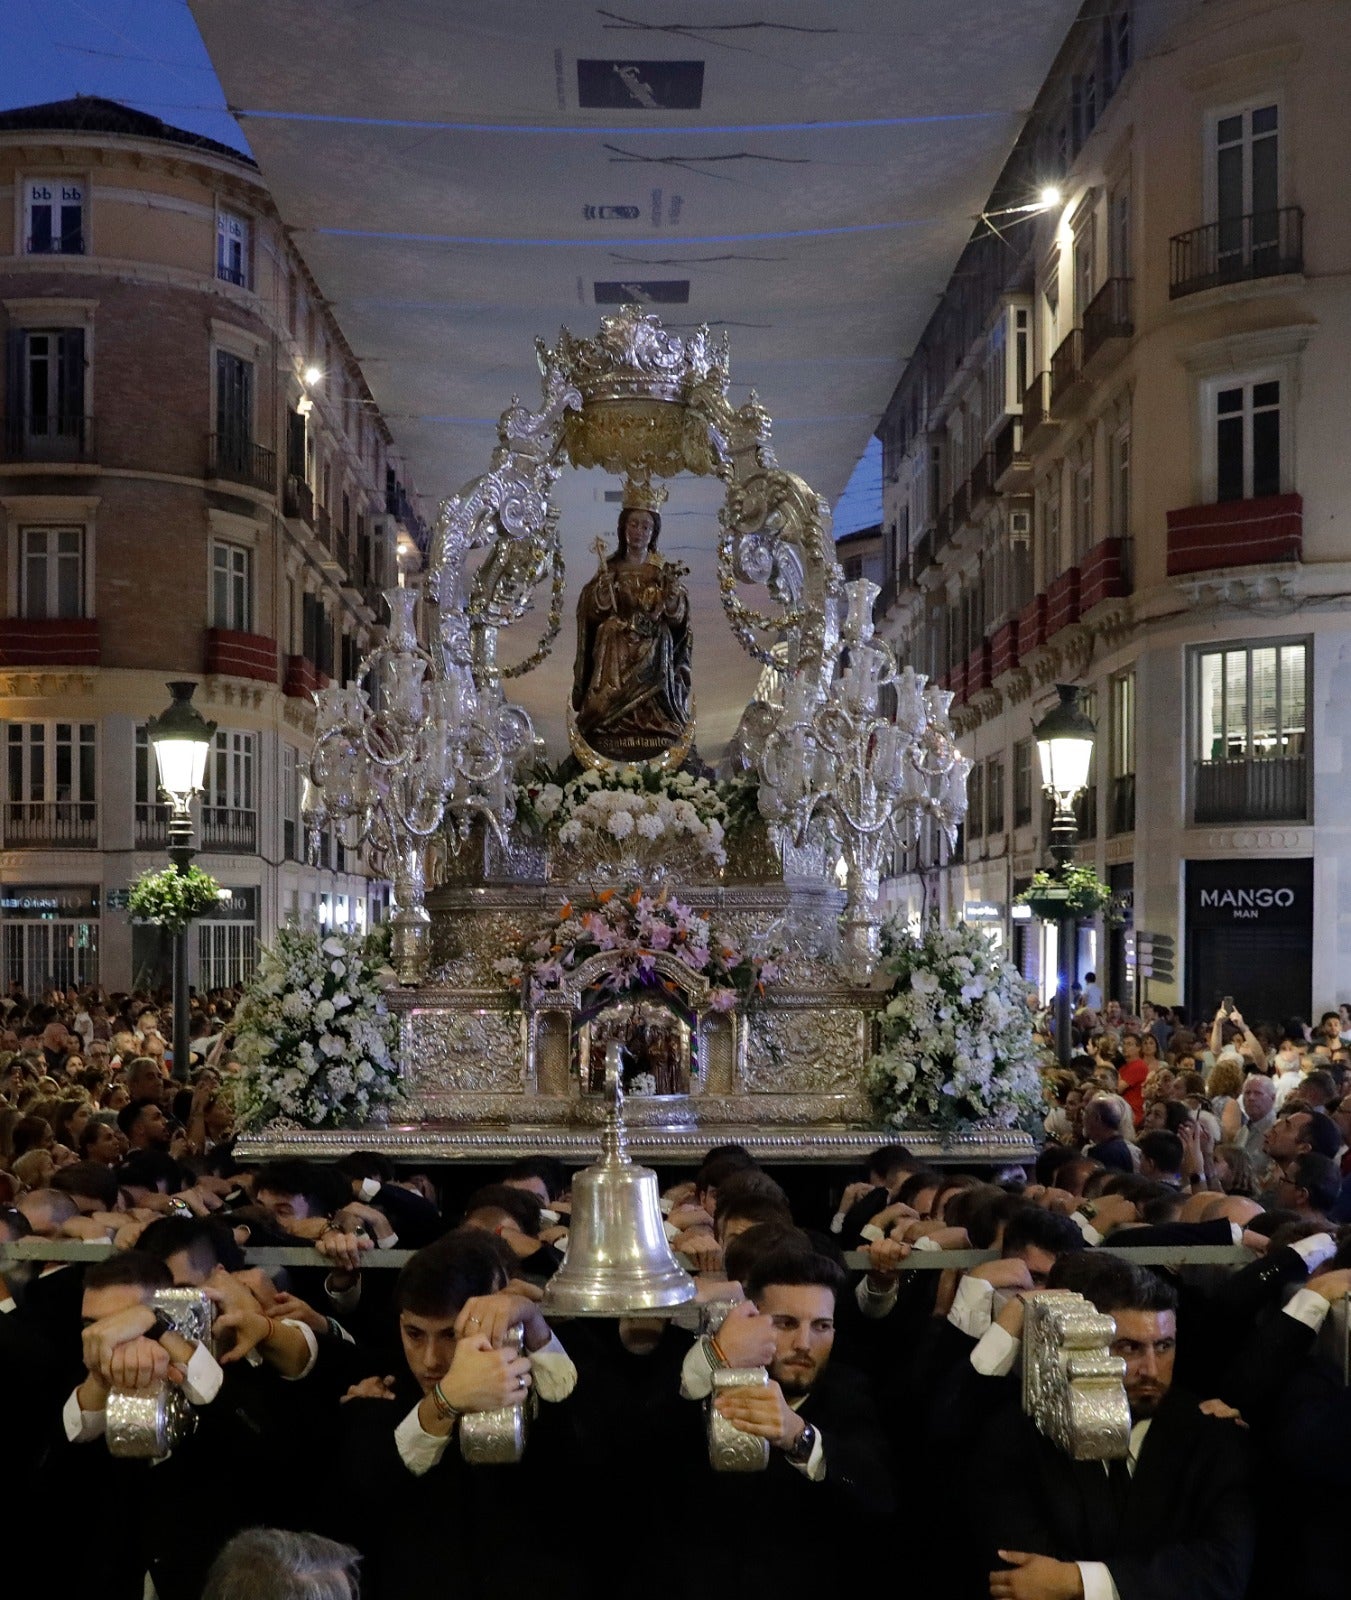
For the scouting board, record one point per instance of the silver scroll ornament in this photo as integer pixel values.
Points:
(496, 1438)
(1073, 1387)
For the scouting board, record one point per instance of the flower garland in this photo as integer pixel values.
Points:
(172, 898)
(633, 929)
(956, 1034)
(316, 1038)
(636, 803)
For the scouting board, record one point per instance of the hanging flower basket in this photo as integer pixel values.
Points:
(1075, 892)
(172, 899)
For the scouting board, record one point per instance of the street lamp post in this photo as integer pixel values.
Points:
(181, 738)
(1064, 747)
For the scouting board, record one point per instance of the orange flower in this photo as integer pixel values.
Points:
(566, 911)
(636, 897)
(605, 896)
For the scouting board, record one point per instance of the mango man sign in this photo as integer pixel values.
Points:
(1261, 893)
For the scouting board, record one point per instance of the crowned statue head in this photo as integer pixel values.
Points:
(639, 525)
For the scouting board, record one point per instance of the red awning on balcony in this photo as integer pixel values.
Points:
(1235, 533)
(57, 642)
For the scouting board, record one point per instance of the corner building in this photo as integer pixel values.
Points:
(194, 483)
(1116, 459)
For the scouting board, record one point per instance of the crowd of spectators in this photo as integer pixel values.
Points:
(325, 1464)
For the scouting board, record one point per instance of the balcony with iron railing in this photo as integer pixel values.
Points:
(234, 275)
(1086, 812)
(1262, 244)
(152, 825)
(1067, 368)
(65, 436)
(51, 825)
(225, 828)
(1109, 323)
(70, 243)
(921, 554)
(237, 459)
(1037, 419)
(297, 500)
(1260, 789)
(1010, 459)
(1121, 809)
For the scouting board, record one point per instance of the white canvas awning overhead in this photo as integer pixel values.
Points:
(462, 177)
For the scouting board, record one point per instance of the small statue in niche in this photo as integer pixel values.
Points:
(631, 680)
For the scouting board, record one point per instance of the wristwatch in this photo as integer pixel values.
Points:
(800, 1451)
(160, 1326)
(1088, 1209)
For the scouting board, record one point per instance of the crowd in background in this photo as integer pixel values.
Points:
(325, 1461)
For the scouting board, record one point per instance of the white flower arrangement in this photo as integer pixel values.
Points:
(316, 1038)
(635, 812)
(956, 1034)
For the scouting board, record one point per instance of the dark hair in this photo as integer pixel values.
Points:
(551, 1172)
(1322, 1135)
(889, 1159)
(745, 1187)
(147, 1169)
(27, 1134)
(1318, 1177)
(90, 1132)
(366, 1164)
(1137, 1189)
(752, 1208)
(207, 1240)
(719, 1165)
(764, 1239)
(793, 1266)
(130, 1114)
(13, 1219)
(324, 1189)
(980, 1209)
(1042, 1230)
(132, 1269)
(1138, 1289)
(438, 1280)
(91, 1180)
(1322, 1080)
(1164, 1150)
(1095, 1274)
(519, 1204)
(625, 513)
(920, 1179)
(1050, 1161)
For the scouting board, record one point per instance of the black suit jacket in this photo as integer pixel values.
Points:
(1182, 1531)
(779, 1531)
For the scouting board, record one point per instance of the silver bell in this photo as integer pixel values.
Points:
(618, 1260)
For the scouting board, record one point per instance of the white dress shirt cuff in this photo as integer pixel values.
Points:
(1315, 1250)
(553, 1370)
(311, 1342)
(204, 1377)
(1090, 1233)
(924, 1242)
(814, 1467)
(343, 1299)
(996, 1353)
(1308, 1307)
(973, 1308)
(418, 1450)
(1097, 1581)
(873, 1303)
(82, 1426)
(696, 1372)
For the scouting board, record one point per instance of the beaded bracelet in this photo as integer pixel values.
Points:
(444, 1410)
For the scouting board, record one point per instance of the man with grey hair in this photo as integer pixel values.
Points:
(1104, 1118)
(276, 1564)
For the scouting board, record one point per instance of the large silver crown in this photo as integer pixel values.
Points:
(634, 358)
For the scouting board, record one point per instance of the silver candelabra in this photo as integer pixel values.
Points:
(421, 748)
(836, 761)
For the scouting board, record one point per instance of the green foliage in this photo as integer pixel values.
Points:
(172, 898)
(1087, 894)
